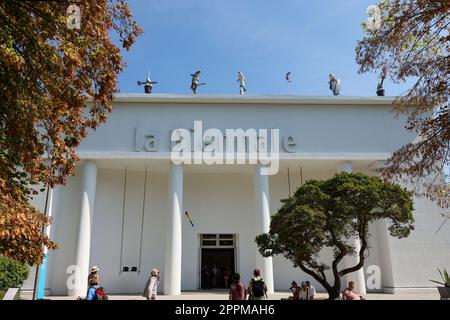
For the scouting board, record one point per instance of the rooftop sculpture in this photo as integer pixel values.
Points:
(148, 84)
(195, 81)
(288, 80)
(335, 84)
(288, 77)
(380, 89)
(241, 79)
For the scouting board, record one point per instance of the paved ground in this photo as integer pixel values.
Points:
(221, 295)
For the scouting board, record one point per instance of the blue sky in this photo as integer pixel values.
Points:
(264, 39)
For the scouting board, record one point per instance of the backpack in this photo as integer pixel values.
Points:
(100, 293)
(257, 288)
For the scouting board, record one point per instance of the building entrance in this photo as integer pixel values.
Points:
(217, 260)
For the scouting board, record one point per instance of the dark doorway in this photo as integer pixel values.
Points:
(223, 259)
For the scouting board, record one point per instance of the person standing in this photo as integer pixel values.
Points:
(257, 289)
(206, 275)
(151, 288)
(226, 277)
(215, 273)
(237, 289)
(94, 278)
(93, 284)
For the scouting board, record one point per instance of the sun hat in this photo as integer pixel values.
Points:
(95, 269)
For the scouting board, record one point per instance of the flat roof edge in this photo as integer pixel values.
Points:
(250, 99)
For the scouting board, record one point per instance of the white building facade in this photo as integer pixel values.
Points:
(124, 210)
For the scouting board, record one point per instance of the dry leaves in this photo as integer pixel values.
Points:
(47, 71)
(413, 42)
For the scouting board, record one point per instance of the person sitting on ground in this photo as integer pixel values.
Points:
(295, 288)
(237, 290)
(312, 290)
(257, 289)
(305, 292)
(350, 293)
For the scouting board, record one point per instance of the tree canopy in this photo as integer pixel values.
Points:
(49, 67)
(412, 42)
(329, 214)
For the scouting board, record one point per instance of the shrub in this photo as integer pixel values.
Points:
(12, 273)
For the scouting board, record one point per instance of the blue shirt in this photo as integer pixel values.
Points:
(92, 294)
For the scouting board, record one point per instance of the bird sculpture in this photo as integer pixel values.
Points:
(288, 77)
(195, 83)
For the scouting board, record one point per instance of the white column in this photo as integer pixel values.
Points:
(172, 269)
(383, 241)
(83, 244)
(49, 214)
(349, 261)
(263, 224)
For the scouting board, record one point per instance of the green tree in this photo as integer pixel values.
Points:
(328, 214)
(51, 61)
(12, 273)
(411, 41)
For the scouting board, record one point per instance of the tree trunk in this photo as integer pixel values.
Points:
(334, 294)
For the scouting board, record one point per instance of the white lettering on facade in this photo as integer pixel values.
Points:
(211, 146)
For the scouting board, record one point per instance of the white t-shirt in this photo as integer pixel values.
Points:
(306, 294)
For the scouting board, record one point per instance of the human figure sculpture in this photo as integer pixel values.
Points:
(241, 79)
(380, 89)
(195, 81)
(148, 84)
(335, 84)
(288, 81)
